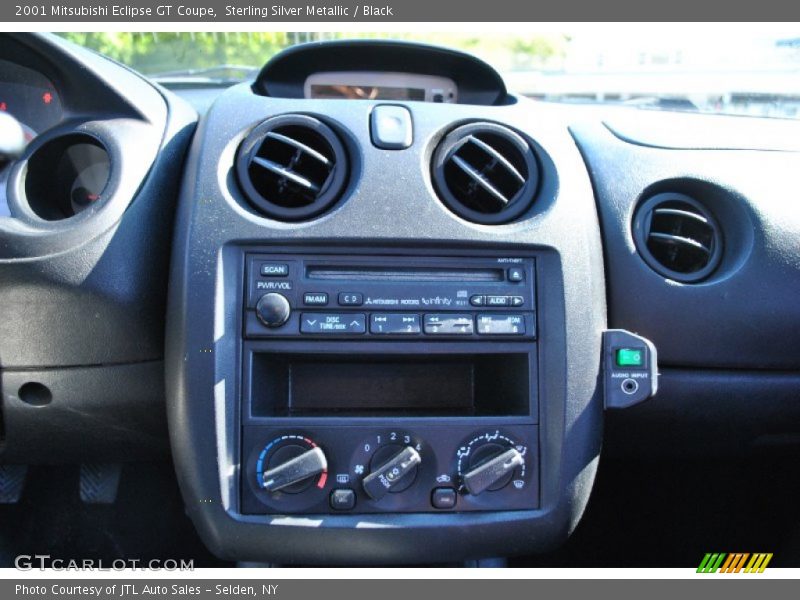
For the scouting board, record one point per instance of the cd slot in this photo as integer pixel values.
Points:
(403, 274)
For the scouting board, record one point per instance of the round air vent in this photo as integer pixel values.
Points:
(485, 173)
(292, 167)
(678, 237)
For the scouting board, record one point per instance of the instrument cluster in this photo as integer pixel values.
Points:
(33, 100)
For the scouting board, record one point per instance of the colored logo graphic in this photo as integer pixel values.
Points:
(744, 562)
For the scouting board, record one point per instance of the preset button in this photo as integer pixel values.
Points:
(394, 324)
(448, 324)
(498, 324)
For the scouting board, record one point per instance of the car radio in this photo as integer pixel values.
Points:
(389, 383)
(317, 296)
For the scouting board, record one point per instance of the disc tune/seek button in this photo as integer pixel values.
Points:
(332, 323)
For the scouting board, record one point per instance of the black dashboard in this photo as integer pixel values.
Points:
(384, 322)
(83, 289)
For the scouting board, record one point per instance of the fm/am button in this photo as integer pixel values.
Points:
(315, 299)
(332, 323)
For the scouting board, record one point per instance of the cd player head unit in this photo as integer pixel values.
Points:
(370, 297)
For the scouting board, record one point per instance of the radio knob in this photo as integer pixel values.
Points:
(273, 309)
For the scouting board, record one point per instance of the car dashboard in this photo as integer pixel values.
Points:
(376, 307)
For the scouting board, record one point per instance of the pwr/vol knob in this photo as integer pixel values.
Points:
(273, 309)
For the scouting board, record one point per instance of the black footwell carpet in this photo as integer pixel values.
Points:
(146, 522)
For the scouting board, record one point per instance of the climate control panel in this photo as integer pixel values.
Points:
(367, 469)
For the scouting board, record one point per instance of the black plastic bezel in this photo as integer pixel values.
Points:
(641, 228)
(332, 189)
(522, 200)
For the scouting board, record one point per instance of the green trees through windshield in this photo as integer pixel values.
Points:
(750, 69)
(153, 53)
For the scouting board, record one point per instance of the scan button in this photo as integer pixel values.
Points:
(274, 270)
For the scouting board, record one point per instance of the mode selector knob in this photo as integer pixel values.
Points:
(388, 475)
(494, 472)
(273, 309)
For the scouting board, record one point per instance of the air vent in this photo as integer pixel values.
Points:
(292, 167)
(678, 237)
(485, 173)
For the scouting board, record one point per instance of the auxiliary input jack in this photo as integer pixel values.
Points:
(630, 386)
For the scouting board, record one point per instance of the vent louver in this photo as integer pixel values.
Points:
(678, 237)
(486, 173)
(292, 167)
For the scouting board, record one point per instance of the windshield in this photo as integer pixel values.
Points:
(716, 68)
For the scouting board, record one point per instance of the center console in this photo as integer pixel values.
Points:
(389, 383)
(386, 320)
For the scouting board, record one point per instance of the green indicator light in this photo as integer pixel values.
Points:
(630, 357)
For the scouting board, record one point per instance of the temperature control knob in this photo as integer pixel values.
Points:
(494, 471)
(273, 309)
(390, 473)
(290, 474)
